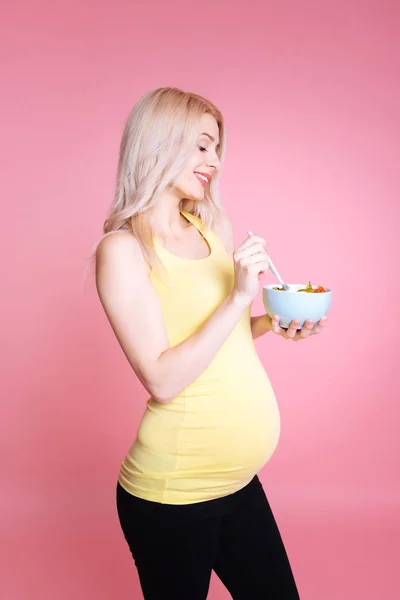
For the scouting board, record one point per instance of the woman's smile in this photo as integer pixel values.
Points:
(204, 179)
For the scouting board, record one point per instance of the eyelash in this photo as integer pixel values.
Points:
(202, 149)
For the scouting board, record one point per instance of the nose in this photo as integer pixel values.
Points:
(213, 161)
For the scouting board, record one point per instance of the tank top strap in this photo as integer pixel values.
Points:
(216, 245)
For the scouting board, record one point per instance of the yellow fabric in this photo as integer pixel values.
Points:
(217, 433)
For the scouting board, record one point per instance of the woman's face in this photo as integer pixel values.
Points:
(203, 163)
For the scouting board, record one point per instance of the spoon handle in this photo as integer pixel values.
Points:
(272, 267)
(275, 272)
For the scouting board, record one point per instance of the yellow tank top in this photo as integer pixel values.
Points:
(212, 438)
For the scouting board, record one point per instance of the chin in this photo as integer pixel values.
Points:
(196, 196)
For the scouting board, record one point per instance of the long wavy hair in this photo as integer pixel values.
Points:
(158, 138)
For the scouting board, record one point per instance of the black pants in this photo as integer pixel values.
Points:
(176, 547)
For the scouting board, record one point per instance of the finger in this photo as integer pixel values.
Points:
(275, 326)
(260, 257)
(292, 329)
(257, 268)
(241, 252)
(318, 327)
(262, 273)
(253, 239)
(307, 328)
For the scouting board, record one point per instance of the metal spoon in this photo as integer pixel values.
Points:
(285, 286)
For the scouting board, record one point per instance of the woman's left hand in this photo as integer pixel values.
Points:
(292, 333)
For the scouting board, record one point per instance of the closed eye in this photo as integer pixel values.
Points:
(202, 149)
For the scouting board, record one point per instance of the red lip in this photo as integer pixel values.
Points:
(204, 174)
(202, 182)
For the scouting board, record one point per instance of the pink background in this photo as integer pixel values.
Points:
(310, 93)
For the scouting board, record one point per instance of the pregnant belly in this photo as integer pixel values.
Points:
(242, 437)
(230, 432)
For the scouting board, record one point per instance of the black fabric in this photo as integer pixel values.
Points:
(175, 547)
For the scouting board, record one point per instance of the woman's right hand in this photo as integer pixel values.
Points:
(251, 262)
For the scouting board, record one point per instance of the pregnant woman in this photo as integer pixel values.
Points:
(178, 297)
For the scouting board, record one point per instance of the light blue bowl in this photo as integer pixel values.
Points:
(296, 305)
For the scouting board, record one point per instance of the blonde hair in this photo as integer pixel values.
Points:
(159, 137)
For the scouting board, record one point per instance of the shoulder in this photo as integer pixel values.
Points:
(119, 249)
(224, 230)
(116, 242)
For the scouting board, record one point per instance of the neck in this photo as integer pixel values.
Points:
(167, 218)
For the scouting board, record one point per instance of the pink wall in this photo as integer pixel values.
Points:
(310, 93)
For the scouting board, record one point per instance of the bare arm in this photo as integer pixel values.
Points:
(260, 325)
(133, 310)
